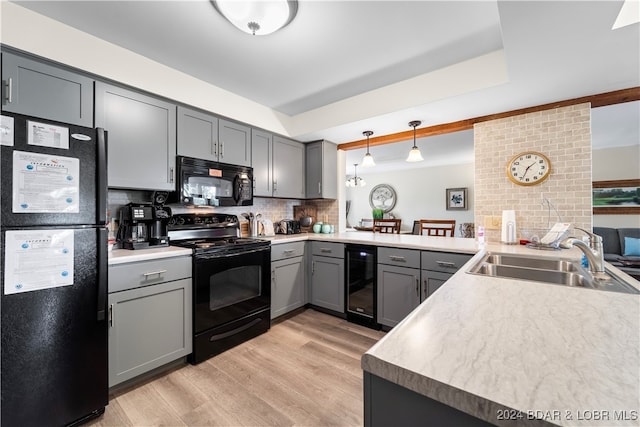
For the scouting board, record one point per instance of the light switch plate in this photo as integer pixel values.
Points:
(492, 222)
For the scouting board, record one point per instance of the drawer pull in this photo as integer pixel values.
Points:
(397, 258)
(325, 250)
(288, 251)
(447, 264)
(154, 273)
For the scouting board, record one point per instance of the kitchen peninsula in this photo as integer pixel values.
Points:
(506, 352)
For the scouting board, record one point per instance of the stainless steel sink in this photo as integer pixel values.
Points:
(558, 272)
(540, 263)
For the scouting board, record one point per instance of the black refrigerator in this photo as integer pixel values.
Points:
(53, 237)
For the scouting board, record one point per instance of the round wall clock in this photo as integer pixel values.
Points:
(528, 168)
(382, 196)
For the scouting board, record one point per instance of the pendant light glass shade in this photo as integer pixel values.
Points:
(367, 161)
(257, 17)
(355, 181)
(414, 154)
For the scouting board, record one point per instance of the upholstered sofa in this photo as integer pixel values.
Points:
(621, 247)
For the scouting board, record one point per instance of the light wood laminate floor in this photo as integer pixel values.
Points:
(305, 371)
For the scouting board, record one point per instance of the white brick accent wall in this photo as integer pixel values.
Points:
(564, 136)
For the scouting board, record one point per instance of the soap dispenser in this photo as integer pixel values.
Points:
(509, 227)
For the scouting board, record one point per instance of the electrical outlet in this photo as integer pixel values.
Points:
(492, 222)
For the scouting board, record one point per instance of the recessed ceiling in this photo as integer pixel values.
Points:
(342, 67)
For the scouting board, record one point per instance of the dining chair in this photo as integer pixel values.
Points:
(387, 225)
(437, 227)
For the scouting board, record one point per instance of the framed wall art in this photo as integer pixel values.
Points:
(619, 197)
(456, 199)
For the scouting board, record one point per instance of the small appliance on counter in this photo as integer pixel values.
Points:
(288, 226)
(144, 225)
(509, 227)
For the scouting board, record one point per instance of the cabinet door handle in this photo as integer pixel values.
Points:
(313, 267)
(424, 290)
(447, 264)
(222, 150)
(319, 188)
(170, 175)
(397, 258)
(10, 90)
(273, 276)
(154, 273)
(418, 288)
(275, 185)
(111, 315)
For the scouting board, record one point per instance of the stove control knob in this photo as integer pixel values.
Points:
(180, 220)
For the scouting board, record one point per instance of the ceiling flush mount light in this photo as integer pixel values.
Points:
(414, 154)
(259, 17)
(367, 161)
(355, 181)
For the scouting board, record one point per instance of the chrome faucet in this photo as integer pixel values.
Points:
(593, 251)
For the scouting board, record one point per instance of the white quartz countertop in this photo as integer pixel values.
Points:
(565, 355)
(408, 241)
(121, 256)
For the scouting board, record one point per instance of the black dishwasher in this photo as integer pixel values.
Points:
(361, 297)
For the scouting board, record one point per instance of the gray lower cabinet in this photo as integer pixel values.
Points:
(287, 278)
(39, 89)
(407, 277)
(437, 268)
(141, 138)
(398, 284)
(321, 170)
(197, 134)
(327, 276)
(149, 316)
(398, 293)
(288, 168)
(262, 162)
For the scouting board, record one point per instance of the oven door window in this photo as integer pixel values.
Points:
(230, 287)
(234, 286)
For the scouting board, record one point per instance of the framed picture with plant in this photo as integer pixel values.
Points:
(456, 199)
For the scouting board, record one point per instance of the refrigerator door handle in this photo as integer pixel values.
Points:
(102, 273)
(101, 190)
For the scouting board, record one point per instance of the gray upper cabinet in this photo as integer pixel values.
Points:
(141, 138)
(234, 143)
(205, 136)
(197, 134)
(262, 162)
(38, 89)
(321, 162)
(288, 168)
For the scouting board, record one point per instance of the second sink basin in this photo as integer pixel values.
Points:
(554, 271)
(541, 263)
(536, 274)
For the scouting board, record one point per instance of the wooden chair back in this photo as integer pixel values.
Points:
(437, 227)
(387, 225)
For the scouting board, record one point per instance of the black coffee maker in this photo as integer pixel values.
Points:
(144, 225)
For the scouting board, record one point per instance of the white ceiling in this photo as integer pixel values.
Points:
(389, 61)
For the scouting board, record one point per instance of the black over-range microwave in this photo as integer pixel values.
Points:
(207, 183)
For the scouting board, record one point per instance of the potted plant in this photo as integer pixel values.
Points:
(377, 213)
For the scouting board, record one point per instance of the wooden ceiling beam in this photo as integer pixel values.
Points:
(599, 100)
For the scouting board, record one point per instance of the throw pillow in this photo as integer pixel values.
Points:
(631, 246)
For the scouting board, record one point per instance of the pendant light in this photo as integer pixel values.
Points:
(355, 181)
(367, 161)
(414, 154)
(259, 17)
